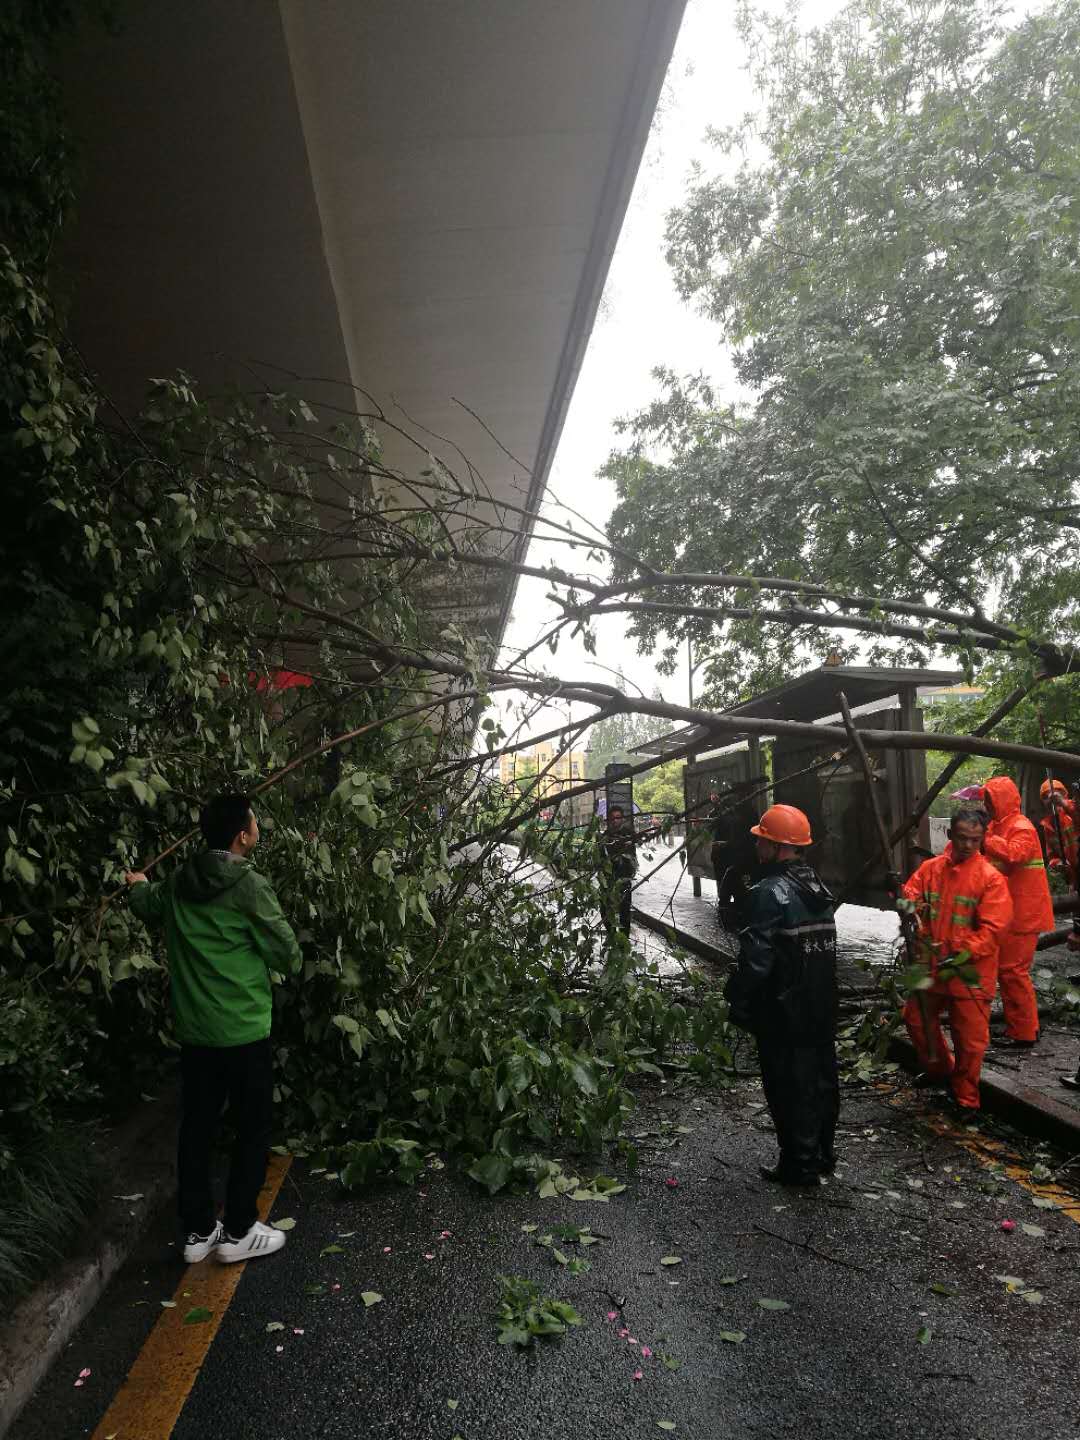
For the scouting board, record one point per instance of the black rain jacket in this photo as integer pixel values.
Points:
(785, 984)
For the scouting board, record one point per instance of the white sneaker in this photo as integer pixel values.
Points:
(260, 1240)
(198, 1247)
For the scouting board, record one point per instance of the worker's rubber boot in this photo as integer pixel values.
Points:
(777, 1175)
(1010, 1042)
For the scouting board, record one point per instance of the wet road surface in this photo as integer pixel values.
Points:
(856, 1262)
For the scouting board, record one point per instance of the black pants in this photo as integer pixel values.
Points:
(617, 910)
(210, 1075)
(626, 896)
(802, 1090)
(731, 889)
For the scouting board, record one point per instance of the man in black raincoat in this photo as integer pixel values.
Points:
(784, 991)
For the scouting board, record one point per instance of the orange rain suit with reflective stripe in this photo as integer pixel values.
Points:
(960, 906)
(1012, 845)
(1067, 816)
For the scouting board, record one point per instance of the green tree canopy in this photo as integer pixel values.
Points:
(660, 791)
(890, 251)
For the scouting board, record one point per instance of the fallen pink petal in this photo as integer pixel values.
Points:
(613, 1314)
(84, 1374)
(638, 1375)
(430, 1255)
(646, 1353)
(671, 1181)
(630, 1340)
(1008, 1224)
(386, 1249)
(623, 1334)
(444, 1235)
(335, 1287)
(79, 1383)
(297, 1332)
(279, 1348)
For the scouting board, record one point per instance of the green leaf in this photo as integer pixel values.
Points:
(671, 1260)
(332, 1250)
(665, 1424)
(939, 1288)
(733, 1337)
(288, 1223)
(584, 1078)
(1036, 1230)
(452, 1404)
(370, 1297)
(731, 1279)
(925, 1335)
(198, 1316)
(491, 1170)
(274, 1325)
(774, 1304)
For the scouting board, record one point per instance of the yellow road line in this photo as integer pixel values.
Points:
(158, 1384)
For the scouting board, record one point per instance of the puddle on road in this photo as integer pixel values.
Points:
(865, 936)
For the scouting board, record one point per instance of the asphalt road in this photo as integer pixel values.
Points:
(855, 1263)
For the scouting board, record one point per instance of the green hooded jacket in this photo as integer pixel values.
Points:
(225, 932)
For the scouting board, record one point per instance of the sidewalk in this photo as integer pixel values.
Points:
(1022, 1087)
(136, 1159)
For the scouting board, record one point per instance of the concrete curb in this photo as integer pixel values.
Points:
(683, 937)
(1028, 1109)
(135, 1159)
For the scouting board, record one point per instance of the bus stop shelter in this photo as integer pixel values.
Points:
(750, 773)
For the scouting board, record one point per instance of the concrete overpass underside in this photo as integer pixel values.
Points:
(416, 198)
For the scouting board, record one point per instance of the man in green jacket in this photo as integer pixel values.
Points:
(225, 933)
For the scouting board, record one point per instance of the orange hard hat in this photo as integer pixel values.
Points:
(783, 825)
(1048, 785)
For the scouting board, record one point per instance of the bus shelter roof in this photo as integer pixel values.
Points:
(809, 697)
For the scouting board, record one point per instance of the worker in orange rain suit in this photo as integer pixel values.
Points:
(1055, 796)
(962, 905)
(1012, 846)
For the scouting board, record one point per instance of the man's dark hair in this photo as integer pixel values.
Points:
(616, 810)
(223, 818)
(970, 815)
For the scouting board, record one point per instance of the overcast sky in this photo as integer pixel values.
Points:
(643, 324)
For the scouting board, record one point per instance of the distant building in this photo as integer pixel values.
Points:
(557, 772)
(945, 694)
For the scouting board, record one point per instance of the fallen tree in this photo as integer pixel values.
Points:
(166, 579)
